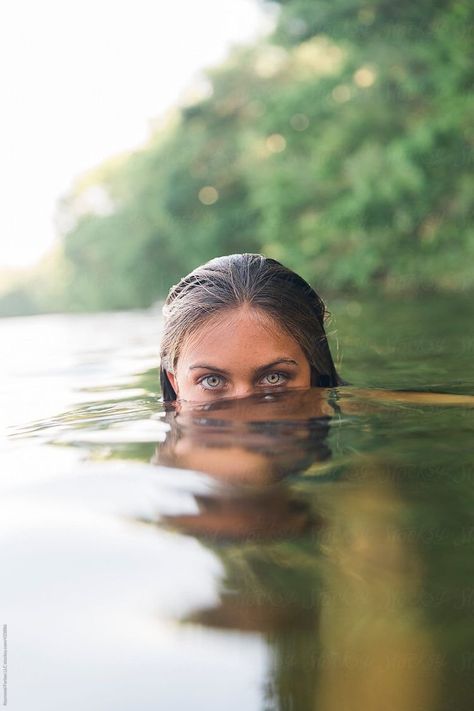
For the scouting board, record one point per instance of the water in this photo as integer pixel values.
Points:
(307, 551)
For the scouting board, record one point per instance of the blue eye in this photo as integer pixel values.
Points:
(211, 382)
(275, 378)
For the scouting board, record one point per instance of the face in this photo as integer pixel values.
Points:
(237, 353)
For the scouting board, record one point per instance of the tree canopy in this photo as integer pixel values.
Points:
(341, 145)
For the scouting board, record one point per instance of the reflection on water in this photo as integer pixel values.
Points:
(307, 550)
(322, 574)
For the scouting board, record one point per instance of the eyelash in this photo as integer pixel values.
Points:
(285, 376)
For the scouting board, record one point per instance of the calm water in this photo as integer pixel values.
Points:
(307, 551)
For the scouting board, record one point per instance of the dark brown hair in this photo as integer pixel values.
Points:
(238, 279)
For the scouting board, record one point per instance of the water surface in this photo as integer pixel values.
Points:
(302, 551)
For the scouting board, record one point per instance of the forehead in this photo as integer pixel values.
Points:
(240, 336)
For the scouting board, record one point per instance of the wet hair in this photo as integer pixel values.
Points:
(236, 280)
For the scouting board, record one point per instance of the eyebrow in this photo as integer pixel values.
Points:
(260, 369)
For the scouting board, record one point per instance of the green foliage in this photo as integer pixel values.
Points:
(17, 302)
(343, 147)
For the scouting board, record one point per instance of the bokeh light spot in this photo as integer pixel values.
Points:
(275, 143)
(208, 195)
(299, 122)
(364, 77)
(270, 61)
(341, 93)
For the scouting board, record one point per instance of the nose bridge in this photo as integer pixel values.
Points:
(243, 388)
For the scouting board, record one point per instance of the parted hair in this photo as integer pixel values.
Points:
(257, 281)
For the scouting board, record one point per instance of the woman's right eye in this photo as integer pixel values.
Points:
(211, 382)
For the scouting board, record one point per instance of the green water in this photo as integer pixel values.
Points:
(304, 551)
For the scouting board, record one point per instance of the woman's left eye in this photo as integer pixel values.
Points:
(275, 378)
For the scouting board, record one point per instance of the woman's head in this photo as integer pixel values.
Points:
(241, 323)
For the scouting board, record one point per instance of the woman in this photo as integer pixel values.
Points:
(241, 324)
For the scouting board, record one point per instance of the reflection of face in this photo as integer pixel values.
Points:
(237, 353)
(250, 441)
(248, 445)
(229, 464)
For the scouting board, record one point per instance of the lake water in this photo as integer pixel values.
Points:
(304, 551)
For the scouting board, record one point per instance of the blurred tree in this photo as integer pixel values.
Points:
(395, 151)
(342, 146)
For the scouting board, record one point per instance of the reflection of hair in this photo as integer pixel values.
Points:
(238, 279)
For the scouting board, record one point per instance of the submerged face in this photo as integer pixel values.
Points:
(237, 353)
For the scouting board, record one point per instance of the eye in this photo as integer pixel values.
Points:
(274, 378)
(211, 382)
